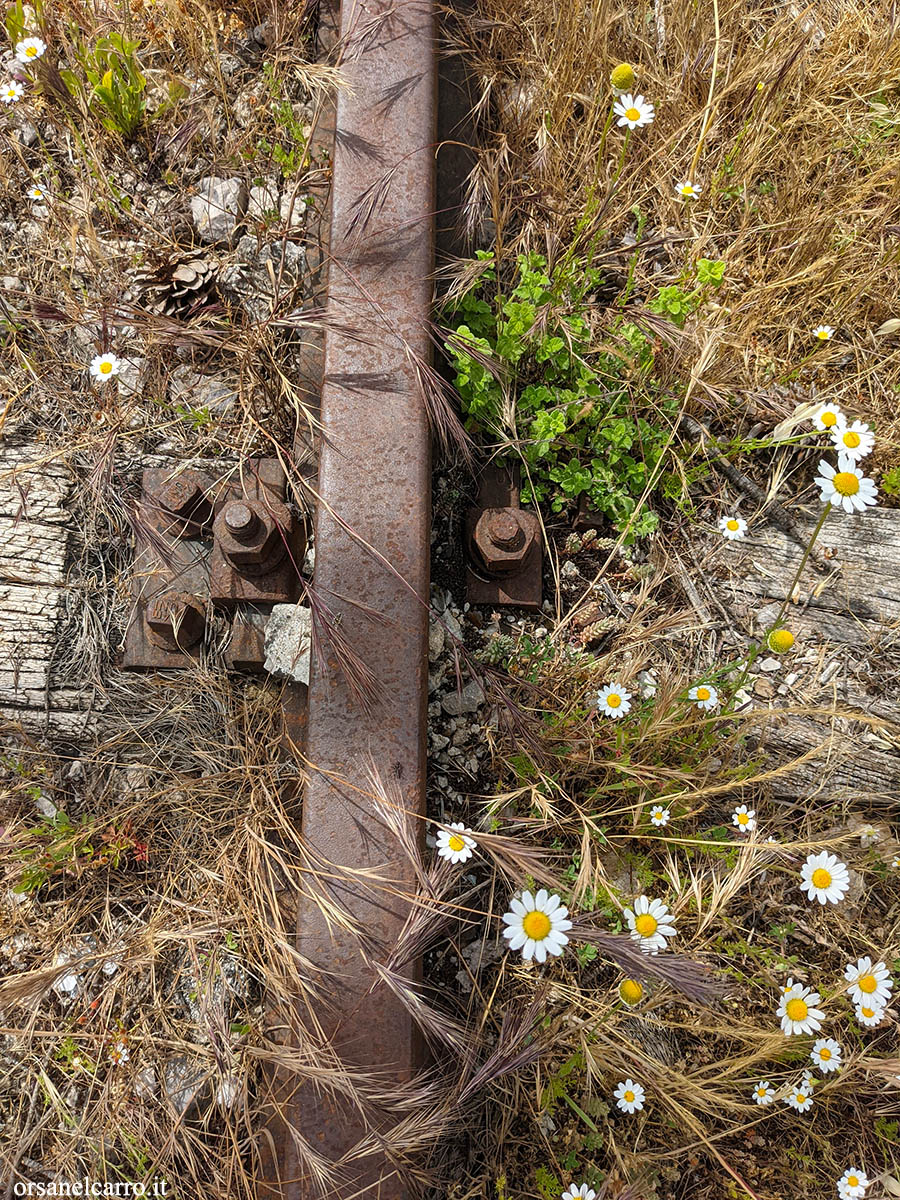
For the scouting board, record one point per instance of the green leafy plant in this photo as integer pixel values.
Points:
(58, 847)
(116, 83)
(531, 351)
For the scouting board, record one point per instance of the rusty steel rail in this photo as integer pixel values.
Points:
(374, 509)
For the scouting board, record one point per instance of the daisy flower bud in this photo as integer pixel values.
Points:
(780, 641)
(30, 49)
(633, 111)
(846, 487)
(631, 992)
(622, 78)
(629, 1096)
(853, 441)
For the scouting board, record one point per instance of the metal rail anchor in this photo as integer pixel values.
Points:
(379, 280)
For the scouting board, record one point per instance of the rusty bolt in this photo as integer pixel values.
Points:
(185, 497)
(241, 520)
(176, 620)
(504, 538)
(250, 534)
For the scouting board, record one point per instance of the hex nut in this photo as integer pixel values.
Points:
(176, 620)
(187, 499)
(504, 538)
(252, 546)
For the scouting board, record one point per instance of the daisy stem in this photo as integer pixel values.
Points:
(606, 128)
(763, 641)
(615, 178)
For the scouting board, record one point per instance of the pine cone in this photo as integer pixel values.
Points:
(181, 286)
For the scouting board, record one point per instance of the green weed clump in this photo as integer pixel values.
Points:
(531, 374)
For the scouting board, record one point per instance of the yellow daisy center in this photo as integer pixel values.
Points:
(31, 51)
(732, 525)
(853, 1181)
(867, 1012)
(631, 991)
(846, 483)
(456, 843)
(743, 819)
(761, 1092)
(105, 368)
(828, 418)
(633, 114)
(536, 924)
(646, 924)
(629, 1097)
(852, 439)
(687, 190)
(622, 76)
(613, 700)
(825, 1054)
(801, 1099)
(821, 878)
(867, 983)
(702, 693)
(797, 1009)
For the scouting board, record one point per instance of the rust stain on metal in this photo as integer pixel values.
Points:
(504, 543)
(374, 478)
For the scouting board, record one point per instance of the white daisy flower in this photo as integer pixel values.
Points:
(536, 925)
(36, 193)
(12, 92)
(613, 701)
(800, 1097)
(633, 111)
(704, 695)
(798, 1011)
(104, 366)
(744, 818)
(650, 924)
(764, 1093)
(118, 1052)
(845, 487)
(824, 333)
(687, 190)
(895, 861)
(868, 983)
(853, 441)
(869, 1014)
(579, 1191)
(29, 49)
(828, 416)
(826, 1055)
(659, 815)
(733, 528)
(631, 992)
(786, 987)
(852, 1184)
(868, 835)
(629, 1096)
(454, 843)
(824, 878)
